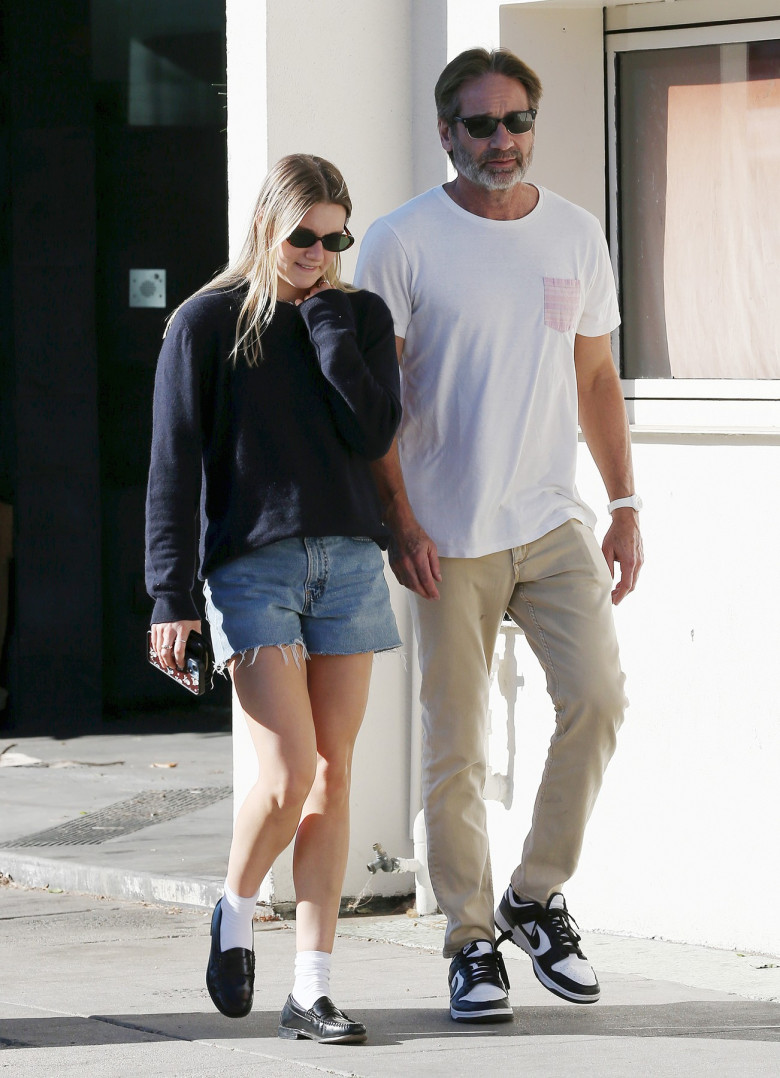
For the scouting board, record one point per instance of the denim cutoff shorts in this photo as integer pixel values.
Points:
(325, 596)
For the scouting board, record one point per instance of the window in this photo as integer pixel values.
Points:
(695, 171)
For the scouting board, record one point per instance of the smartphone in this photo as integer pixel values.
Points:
(195, 677)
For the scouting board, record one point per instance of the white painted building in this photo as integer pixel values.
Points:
(682, 844)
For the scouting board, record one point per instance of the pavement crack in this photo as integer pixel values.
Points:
(137, 1027)
(46, 917)
(319, 1068)
(149, 1031)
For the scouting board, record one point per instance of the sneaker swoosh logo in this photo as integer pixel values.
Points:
(538, 940)
(457, 982)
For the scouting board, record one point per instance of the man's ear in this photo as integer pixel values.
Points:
(445, 135)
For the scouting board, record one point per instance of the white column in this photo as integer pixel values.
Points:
(247, 111)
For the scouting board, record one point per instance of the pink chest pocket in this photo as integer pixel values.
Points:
(561, 303)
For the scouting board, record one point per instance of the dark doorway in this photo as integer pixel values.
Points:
(161, 195)
(113, 173)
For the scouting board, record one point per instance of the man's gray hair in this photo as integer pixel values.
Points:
(473, 64)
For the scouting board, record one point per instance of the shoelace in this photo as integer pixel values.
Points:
(561, 922)
(484, 967)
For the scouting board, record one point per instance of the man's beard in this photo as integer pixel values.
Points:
(477, 170)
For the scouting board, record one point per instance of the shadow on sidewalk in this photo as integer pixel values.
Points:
(741, 1020)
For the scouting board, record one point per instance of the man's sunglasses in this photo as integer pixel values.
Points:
(334, 241)
(516, 123)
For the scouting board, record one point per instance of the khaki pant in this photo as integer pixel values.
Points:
(557, 589)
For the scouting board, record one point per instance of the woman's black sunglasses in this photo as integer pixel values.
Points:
(334, 241)
(516, 123)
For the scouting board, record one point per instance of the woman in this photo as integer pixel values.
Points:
(278, 385)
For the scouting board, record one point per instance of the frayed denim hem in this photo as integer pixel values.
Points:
(300, 654)
(297, 649)
(391, 649)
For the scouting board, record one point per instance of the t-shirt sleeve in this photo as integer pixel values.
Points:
(600, 313)
(383, 268)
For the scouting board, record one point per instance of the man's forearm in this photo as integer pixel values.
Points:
(413, 555)
(605, 427)
(389, 479)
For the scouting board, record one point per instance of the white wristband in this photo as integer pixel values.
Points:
(633, 502)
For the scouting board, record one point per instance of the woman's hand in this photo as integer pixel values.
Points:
(169, 640)
(321, 286)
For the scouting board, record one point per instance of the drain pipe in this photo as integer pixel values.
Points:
(424, 897)
(425, 901)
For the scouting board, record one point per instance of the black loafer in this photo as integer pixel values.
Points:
(323, 1022)
(230, 975)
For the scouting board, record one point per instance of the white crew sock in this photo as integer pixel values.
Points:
(312, 977)
(237, 915)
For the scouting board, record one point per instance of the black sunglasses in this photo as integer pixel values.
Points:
(516, 123)
(334, 241)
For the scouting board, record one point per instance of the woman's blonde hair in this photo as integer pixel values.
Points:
(294, 184)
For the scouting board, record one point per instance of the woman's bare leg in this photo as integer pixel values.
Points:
(274, 697)
(338, 692)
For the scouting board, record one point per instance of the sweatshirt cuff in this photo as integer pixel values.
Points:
(330, 308)
(169, 608)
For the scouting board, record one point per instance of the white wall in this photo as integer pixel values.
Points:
(330, 70)
(683, 839)
(247, 113)
(564, 47)
(690, 813)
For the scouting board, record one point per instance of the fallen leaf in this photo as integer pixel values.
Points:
(164, 765)
(18, 759)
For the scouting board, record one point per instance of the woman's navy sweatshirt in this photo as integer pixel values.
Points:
(258, 454)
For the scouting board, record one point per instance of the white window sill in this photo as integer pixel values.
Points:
(703, 406)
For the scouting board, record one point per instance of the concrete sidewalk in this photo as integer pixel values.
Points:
(114, 985)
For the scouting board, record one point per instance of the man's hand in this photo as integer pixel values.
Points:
(415, 560)
(413, 555)
(623, 543)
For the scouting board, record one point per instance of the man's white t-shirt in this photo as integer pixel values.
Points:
(488, 311)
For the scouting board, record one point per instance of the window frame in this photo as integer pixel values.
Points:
(681, 403)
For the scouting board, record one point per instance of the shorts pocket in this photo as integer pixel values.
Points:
(561, 303)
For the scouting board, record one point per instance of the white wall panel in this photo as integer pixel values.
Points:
(564, 47)
(683, 835)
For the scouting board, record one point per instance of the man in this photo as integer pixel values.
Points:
(503, 301)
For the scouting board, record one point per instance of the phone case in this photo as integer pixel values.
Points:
(195, 677)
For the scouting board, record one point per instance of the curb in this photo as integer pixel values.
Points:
(111, 883)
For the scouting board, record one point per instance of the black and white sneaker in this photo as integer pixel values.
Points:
(547, 934)
(478, 984)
